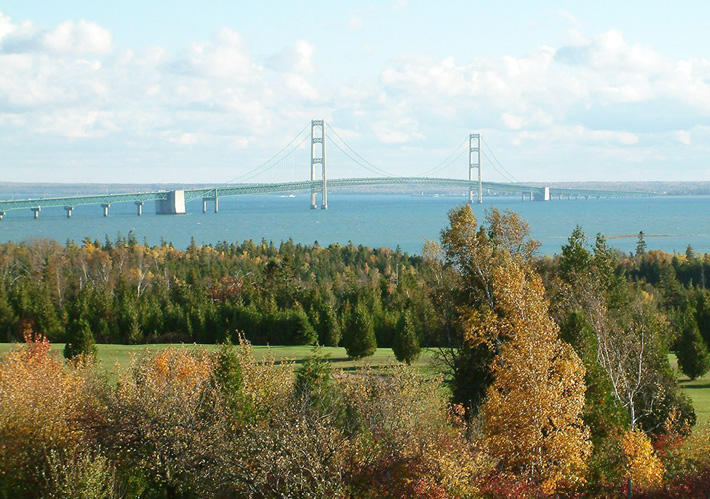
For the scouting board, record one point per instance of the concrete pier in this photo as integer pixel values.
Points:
(36, 212)
(173, 205)
(542, 196)
(69, 209)
(206, 200)
(139, 208)
(106, 206)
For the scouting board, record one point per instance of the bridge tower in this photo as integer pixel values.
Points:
(474, 161)
(318, 157)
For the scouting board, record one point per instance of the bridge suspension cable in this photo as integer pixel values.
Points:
(510, 175)
(272, 162)
(490, 162)
(451, 158)
(362, 162)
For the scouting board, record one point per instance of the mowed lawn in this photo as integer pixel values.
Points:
(114, 357)
(698, 390)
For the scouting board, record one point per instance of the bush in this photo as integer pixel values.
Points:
(43, 404)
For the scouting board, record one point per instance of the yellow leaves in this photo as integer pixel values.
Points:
(483, 327)
(532, 414)
(41, 401)
(642, 464)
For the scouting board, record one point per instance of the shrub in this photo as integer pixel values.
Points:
(42, 403)
(642, 464)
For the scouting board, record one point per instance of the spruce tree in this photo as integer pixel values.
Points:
(331, 326)
(359, 340)
(80, 339)
(406, 343)
(692, 353)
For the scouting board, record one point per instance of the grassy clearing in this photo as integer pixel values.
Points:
(113, 357)
(698, 390)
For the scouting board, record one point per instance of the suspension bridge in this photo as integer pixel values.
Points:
(289, 163)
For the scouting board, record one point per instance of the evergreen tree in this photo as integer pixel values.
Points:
(640, 245)
(692, 353)
(359, 340)
(7, 316)
(330, 325)
(80, 339)
(575, 258)
(406, 343)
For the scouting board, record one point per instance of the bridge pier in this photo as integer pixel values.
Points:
(173, 205)
(106, 206)
(541, 196)
(36, 212)
(69, 209)
(139, 208)
(216, 204)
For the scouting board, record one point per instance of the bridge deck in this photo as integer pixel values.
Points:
(307, 185)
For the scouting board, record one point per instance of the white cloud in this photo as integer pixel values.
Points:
(683, 136)
(603, 92)
(513, 122)
(84, 37)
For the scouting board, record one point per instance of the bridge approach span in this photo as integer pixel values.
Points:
(214, 193)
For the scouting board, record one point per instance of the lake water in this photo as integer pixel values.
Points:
(671, 223)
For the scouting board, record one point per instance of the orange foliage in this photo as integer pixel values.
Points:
(642, 464)
(532, 414)
(41, 400)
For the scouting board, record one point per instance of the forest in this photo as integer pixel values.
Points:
(555, 373)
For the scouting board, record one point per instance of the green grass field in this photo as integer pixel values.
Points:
(112, 357)
(698, 390)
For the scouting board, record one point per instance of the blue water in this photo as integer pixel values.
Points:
(671, 223)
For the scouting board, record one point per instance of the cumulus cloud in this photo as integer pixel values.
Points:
(603, 91)
(295, 59)
(683, 136)
(67, 39)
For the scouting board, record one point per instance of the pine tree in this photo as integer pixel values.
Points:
(692, 353)
(640, 245)
(406, 343)
(359, 340)
(80, 339)
(330, 325)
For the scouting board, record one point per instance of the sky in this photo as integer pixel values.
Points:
(204, 92)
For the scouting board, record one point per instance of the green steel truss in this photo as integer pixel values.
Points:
(306, 185)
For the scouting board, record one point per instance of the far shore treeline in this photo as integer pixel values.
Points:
(121, 291)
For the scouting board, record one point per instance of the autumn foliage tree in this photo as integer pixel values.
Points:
(534, 396)
(532, 413)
